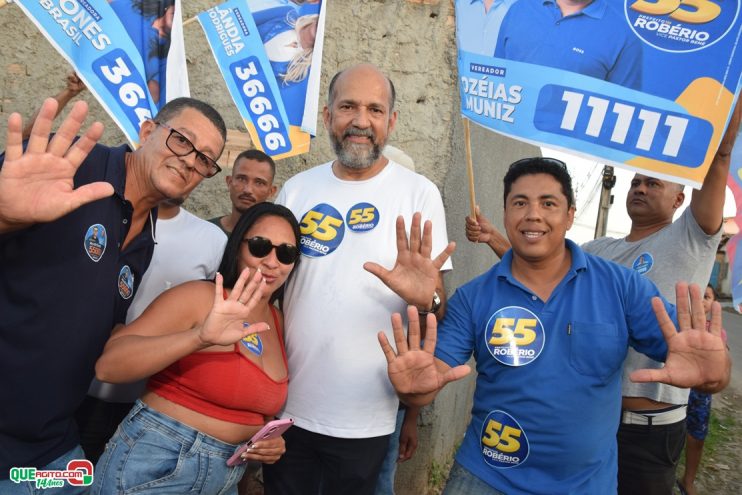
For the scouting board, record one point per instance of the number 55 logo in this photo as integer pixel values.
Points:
(690, 11)
(681, 25)
(362, 217)
(504, 443)
(514, 336)
(322, 230)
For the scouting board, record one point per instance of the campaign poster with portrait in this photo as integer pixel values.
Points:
(269, 53)
(129, 53)
(646, 85)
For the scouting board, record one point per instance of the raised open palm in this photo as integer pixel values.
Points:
(227, 321)
(414, 370)
(696, 357)
(36, 185)
(414, 276)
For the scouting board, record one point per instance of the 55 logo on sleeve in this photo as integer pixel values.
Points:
(504, 443)
(362, 217)
(514, 336)
(322, 230)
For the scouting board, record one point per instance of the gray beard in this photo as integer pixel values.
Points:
(355, 156)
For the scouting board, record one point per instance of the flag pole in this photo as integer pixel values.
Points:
(470, 169)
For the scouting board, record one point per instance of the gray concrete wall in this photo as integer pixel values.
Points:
(413, 42)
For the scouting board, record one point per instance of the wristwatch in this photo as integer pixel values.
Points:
(435, 306)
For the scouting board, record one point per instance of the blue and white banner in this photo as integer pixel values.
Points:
(129, 54)
(646, 85)
(269, 53)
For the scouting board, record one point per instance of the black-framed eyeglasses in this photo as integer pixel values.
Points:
(260, 247)
(182, 146)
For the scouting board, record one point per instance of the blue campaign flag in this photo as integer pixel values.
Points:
(642, 84)
(122, 50)
(267, 52)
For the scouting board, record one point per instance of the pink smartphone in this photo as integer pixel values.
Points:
(271, 429)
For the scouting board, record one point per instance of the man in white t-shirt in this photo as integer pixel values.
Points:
(187, 248)
(351, 210)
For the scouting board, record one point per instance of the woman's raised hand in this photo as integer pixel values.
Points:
(228, 320)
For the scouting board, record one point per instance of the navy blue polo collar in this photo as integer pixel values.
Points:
(114, 174)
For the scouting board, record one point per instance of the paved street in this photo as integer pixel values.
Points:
(733, 324)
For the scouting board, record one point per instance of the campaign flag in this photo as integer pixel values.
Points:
(129, 54)
(646, 85)
(269, 53)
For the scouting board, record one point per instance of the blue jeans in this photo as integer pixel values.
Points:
(155, 454)
(9, 487)
(385, 484)
(463, 482)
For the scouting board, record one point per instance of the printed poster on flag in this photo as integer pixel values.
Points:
(129, 54)
(646, 85)
(269, 53)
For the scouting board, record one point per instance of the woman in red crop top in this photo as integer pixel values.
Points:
(215, 354)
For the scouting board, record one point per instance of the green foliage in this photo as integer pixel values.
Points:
(437, 476)
(722, 426)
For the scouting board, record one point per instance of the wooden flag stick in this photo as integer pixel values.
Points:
(470, 169)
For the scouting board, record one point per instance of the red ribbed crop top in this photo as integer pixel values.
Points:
(223, 385)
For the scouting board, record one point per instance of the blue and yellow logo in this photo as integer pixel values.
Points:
(126, 282)
(504, 444)
(95, 242)
(253, 343)
(514, 336)
(322, 230)
(681, 25)
(643, 263)
(362, 217)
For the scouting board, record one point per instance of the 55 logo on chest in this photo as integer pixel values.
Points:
(514, 336)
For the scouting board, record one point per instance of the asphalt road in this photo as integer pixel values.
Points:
(732, 322)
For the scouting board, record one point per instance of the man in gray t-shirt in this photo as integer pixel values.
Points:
(652, 430)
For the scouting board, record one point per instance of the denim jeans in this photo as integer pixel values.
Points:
(385, 484)
(463, 482)
(9, 487)
(155, 454)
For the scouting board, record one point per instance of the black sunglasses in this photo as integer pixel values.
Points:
(260, 247)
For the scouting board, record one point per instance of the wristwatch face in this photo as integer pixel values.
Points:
(436, 303)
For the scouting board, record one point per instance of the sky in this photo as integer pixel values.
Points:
(586, 181)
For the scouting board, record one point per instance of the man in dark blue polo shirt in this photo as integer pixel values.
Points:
(563, 34)
(77, 225)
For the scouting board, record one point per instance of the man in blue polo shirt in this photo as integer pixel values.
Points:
(549, 327)
(478, 22)
(77, 225)
(564, 34)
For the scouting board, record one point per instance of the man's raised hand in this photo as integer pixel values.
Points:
(413, 370)
(36, 185)
(414, 276)
(696, 357)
